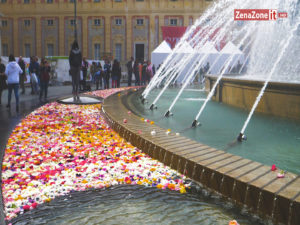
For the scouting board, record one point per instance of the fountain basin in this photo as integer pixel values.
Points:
(244, 181)
(279, 99)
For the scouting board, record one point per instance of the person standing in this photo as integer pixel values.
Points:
(136, 73)
(144, 73)
(75, 60)
(44, 78)
(149, 72)
(3, 84)
(34, 74)
(153, 70)
(140, 66)
(107, 71)
(84, 69)
(98, 76)
(93, 71)
(23, 75)
(115, 73)
(130, 68)
(13, 72)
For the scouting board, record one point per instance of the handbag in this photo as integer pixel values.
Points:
(34, 78)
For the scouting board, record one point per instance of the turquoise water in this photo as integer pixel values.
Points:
(271, 140)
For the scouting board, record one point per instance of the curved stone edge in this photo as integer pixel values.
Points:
(245, 182)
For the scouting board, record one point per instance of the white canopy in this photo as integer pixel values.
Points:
(208, 48)
(160, 53)
(185, 48)
(164, 47)
(231, 55)
(230, 48)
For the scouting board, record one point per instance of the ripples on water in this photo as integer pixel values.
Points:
(127, 204)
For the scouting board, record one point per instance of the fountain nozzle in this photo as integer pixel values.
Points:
(168, 114)
(153, 107)
(241, 137)
(195, 123)
(143, 100)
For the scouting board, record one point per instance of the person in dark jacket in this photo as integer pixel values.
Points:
(115, 73)
(98, 75)
(130, 67)
(107, 71)
(144, 73)
(34, 69)
(136, 73)
(84, 68)
(75, 60)
(23, 75)
(44, 78)
(3, 84)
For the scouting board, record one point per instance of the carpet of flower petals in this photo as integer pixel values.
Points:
(62, 148)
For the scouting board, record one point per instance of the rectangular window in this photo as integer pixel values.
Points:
(50, 49)
(49, 1)
(72, 1)
(27, 23)
(139, 21)
(50, 22)
(118, 0)
(97, 22)
(4, 23)
(72, 22)
(27, 50)
(5, 49)
(26, 1)
(139, 0)
(97, 51)
(118, 52)
(97, 1)
(3, 1)
(173, 22)
(119, 22)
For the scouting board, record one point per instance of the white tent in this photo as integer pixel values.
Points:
(160, 53)
(185, 48)
(229, 54)
(211, 54)
(184, 51)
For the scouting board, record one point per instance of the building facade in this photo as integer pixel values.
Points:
(116, 28)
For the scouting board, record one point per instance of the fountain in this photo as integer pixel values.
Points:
(268, 75)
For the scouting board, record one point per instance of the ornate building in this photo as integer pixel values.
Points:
(121, 28)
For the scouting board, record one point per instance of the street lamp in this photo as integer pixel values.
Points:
(75, 15)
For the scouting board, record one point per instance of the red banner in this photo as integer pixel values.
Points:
(173, 34)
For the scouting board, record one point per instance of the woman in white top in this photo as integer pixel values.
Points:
(12, 71)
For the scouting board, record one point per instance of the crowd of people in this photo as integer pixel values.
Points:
(100, 75)
(13, 76)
